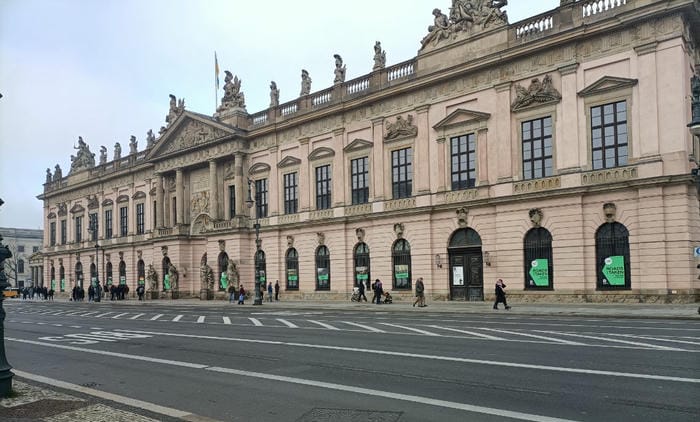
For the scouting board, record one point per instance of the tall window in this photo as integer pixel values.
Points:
(35, 249)
(20, 266)
(539, 268)
(323, 268)
(93, 226)
(261, 267)
(291, 202)
(359, 173)
(261, 198)
(108, 224)
(612, 253)
(222, 282)
(155, 214)
(20, 248)
(231, 201)
(361, 261)
(123, 221)
(122, 273)
(173, 220)
(463, 154)
(609, 135)
(140, 223)
(63, 232)
(292, 263)
(323, 187)
(401, 258)
(108, 273)
(537, 148)
(52, 233)
(78, 229)
(401, 173)
(141, 272)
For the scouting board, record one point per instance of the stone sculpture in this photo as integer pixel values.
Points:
(305, 83)
(173, 275)
(48, 175)
(103, 154)
(233, 97)
(133, 145)
(536, 93)
(152, 278)
(117, 151)
(84, 159)
(401, 128)
(379, 57)
(150, 138)
(176, 108)
(206, 274)
(439, 30)
(274, 95)
(57, 174)
(339, 69)
(465, 15)
(232, 274)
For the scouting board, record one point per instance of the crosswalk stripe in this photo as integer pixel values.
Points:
(136, 316)
(366, 327)
(227, 320)
(287, 323)
(200, 320)
(177, 318)
(118, 315)
(427, 333)
(89, 313)
(644, 337)
(323, 324)
(554, 339)
(467, 332)
(103, 314)
(654, 346)
(256, 322)
(156, 317)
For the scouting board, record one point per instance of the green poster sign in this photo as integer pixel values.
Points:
(166, 282)
(323, 277)
(94, 282)
(539, 273)
(141, 281)
(63, 284)
(292, 278)
(362, 276)
(223, 281)
(109, 281)
(122, 280)
(53, 284)
(614, 270)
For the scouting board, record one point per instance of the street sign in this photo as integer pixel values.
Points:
(696, 252)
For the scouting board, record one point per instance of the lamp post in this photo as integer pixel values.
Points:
(5, 373)
(98, 289)
(249, 203)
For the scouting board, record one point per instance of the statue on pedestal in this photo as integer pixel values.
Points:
(274, 95)
(84, 159)
(233, 97)
(379, 56)
(339, 69)
(133, 145)
(305, 83)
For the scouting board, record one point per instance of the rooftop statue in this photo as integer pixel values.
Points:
(305, 83)
(379, 56)
(233, 97)
(57, 174)
(84, 159)
(150, 138)
(117, 151)
(176, 109)
(48, 175)
(439, 30)
(274, 95)
(465, 15)
(133, 145)
(339, 69)
(103, 154)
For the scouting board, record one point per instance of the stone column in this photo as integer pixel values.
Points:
(160, 214)
(421, 167)
(213, 191)
(648, 110)
(567, 130)
(339, 182)
(442, 174)
(501, 124)
(273, 189)
(377, 171)
(482, 157)
(305, 188)
(180, 197)
(241, 183)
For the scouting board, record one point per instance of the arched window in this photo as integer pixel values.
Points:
(93, 273)
(361, 261)
(323, 268)
(261, 266)
(223, 265)
(122, 272)
(292, 264)
(108, 273)
(165, 265)
(539, 269)
(612, 255)
(62, 277)
(401, 268)
(79, 273)
(53, 273)
(141, 272)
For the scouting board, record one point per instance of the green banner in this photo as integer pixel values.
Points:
(94, 282)
(53, 284)
(292, 278)
(166, 282)
(539, 273)
(109, 281)
(122, 280)
(63, 284)
(141, 281)
(223, 281)
(362, 276)
(614, 270)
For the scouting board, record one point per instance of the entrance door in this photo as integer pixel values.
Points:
(466, 275)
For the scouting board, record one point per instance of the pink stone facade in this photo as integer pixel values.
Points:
(633, 63)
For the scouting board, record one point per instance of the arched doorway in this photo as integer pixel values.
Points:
(79, 273)
(466, 266)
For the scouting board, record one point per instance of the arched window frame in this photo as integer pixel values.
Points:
(323, 268)
(401, 265)
(165, 265)
(141, 272)
(222, 262)
(108, 273)
(79, 273)
(261, 267)
(62, 278)
(612, 239)
(537, 246)
(291, 258)
(361, 264)
(122, 272)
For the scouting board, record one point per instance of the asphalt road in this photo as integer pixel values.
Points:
(245, 363)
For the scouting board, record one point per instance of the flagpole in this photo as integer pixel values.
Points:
(216, 81)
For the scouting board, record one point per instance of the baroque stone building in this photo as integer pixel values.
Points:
(551, 152)
(23, 269)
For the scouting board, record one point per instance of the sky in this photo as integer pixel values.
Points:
(104, 69)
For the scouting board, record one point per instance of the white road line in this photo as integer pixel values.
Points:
(118, 315)
(57, 325)
(75, 326)
(472, 333)
(323, 324)
(136, 316)
(556, 340)
(227, 320)
(427, 333)
(653, 346)
(256, 322)
(287, 323)
(366, 327)
(89, 313)
(101, 315)
(156, 317)
(656, 338)
(178, 318)
(200, 320)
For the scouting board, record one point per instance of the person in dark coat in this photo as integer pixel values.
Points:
(500, 294)
(241, 296)
(361, 286)
(378, 290)
(277, 290)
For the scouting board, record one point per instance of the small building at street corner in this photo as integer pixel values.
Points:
(553, 153)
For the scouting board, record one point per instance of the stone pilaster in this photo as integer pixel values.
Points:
(338, 192)
(179, 197)
(160, 199)
(213, 191)
(377, 172)
(241, 183)
(421, 176)
(305, 187)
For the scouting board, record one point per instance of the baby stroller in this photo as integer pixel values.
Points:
(387, 298)
(355, 294)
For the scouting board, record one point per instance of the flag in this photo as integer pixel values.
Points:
(216, 70)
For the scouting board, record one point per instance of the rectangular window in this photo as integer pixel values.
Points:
(35, 249)
(64, 233)
(173, 221)
(359, 173)
(291, 202)
(20, 248)
(261, 198)
(609, 135)
(92, 226)
(155, 213)
(78, 229)
(140, 221)
(108, 224)
(401, 173)
(463, 154)
(52, 234)
(323, 187)
(123, 221)
(537, 148)
(232, 201)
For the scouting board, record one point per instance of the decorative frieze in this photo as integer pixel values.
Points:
(536, 185)
(461, 195)
(400, 204)
(609, 175)
(320, 214)
(358, 209)
(288, 219)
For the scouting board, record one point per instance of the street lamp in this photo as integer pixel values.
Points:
(5, 373)
(249, 203)
(98, 289)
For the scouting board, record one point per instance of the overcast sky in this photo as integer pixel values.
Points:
(103, 69)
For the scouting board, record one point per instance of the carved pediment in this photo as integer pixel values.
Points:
(461, 117)
(358, 145)
(77, 208)
(190, 130)
(259, 168)
(288, 161)
(107, 202)
(322, 152)
(607, 84)
(138, 195)
(122, 198)
(537, 93)
(62, 209)
(93, 202)
(51, 215)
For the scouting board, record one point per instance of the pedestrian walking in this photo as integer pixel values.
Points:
(231, 293)
(361, 287)
(269, 291)
(277, 290)
(500, 294)
(378, 290)
(420, 293)
(241, 296)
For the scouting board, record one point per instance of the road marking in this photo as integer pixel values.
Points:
(323, 324)
(427, 333)
(178, 318)
(89, 313)
(118, 315)
(655, 338)
(227, 320)
(366, 327)
(94, 337)
(156, 317)
(200, 320)
(653, 346)
(101, 315)
(556, 340)
(256, 322)
(136, 316)
(467, 332)
(287, 323)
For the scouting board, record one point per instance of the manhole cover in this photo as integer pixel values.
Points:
(349, 415)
